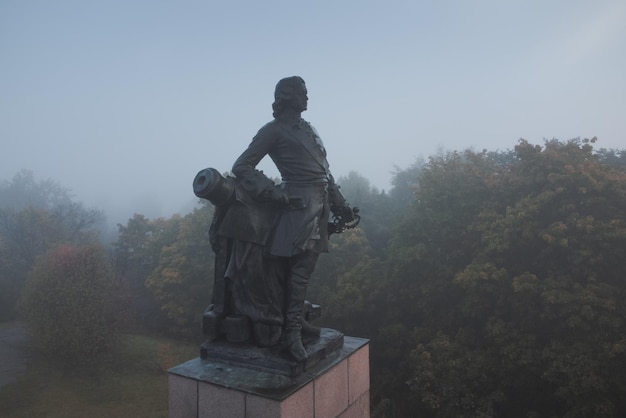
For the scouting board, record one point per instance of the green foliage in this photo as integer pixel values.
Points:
(9, 289)
(490, 284)
(182, 280)
(34, 217)
(612, 157)
(515, 270)
(136, 253)
(350, 249)
(335, 275)
(500, 292)
(167, 268)
(378, 209)
(405, 183)
(347, 250)
(70, 303)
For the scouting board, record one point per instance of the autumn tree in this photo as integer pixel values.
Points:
(331, 281)
(513, 271)
(70, 303)
(34, 217)
(136, 254)
(182, 279)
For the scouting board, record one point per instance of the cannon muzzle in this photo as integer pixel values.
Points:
(209, 184)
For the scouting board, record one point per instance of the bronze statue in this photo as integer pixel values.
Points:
(268, 237)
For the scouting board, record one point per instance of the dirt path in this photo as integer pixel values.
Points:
(12, 359)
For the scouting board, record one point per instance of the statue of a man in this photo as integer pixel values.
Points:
(303, 201)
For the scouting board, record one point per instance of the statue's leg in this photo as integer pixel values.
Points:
(301, 268)
(307, 328)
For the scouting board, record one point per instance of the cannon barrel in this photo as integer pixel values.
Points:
(209, 184)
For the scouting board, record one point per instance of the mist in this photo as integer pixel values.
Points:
(124, 103)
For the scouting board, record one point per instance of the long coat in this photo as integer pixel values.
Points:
(299, 154)
(251, 234)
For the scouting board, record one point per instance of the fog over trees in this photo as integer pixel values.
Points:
(489, 283)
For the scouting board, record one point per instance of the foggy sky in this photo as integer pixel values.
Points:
(123, 102)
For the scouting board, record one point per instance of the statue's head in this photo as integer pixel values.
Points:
(290, 93)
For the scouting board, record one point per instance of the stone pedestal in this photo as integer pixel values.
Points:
(336, 387)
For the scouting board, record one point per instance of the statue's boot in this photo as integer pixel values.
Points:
(296, 292)
(293, 340)
(308, 329)
(308, 312)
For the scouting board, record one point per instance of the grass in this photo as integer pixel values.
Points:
(132, 383)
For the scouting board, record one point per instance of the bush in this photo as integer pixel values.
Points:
(69, 303)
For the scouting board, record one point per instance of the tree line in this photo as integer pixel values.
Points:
(489, 283)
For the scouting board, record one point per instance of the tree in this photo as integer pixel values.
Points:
(24, 191)
(71, 218)
(183, 277)
(500, 291)
(518, 269)
(347, 250)
(404, 184)
(377, 210)
(136, 254)
(612, 157)
(9, 291)
(70, 303)
(35, 216)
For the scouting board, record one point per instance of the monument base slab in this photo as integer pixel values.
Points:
(335, 387)
(273, 360)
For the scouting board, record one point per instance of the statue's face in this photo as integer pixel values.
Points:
(299, 97)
